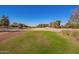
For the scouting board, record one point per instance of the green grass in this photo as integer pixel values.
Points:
(39, 42)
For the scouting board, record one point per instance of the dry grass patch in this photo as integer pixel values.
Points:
(71, 35)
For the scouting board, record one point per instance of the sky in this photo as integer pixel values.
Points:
(37, 14)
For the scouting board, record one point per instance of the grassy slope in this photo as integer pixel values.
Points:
(39, 42)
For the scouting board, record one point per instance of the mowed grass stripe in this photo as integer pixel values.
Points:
(38, 42)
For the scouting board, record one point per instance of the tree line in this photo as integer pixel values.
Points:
(5, 23)
(73, 22)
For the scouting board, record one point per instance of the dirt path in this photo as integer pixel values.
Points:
(4, 36)
(7, 35)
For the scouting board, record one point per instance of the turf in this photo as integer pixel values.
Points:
(39, 42)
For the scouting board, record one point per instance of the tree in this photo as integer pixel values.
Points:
(74, 20)
(0, 22)
(20, 25)
(43, 25)
(62, 26)
(55, 24)
(14, 24)
(58, 23)
(5, 21)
